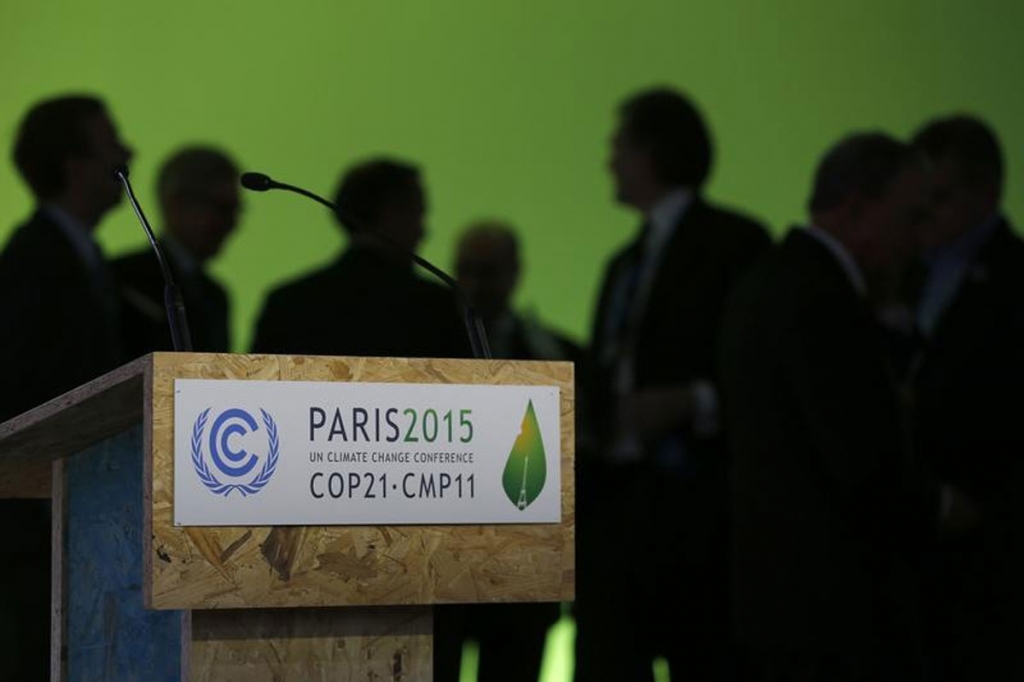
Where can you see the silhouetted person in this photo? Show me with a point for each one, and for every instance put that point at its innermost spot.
(830, 513)
(511, 637)
(892, 295)
(59, 310)
(369, 302)
(199, 203)
(653, 506)
(971, 314)
(488, 267)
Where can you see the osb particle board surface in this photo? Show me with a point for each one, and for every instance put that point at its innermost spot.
(254, 567)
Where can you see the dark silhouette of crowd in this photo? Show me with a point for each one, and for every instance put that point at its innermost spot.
(796, 457)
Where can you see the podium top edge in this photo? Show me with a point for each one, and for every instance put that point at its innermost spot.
(84, 415)
(161, 355)
(114, 402)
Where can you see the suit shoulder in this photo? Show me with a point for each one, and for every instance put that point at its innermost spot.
(135, 264)
(30, 236)
(139, 257)
(737, 224)
(613, 261)
(572, 350)
(300, 287)
(35, 242)
(284, 306)
(215, 285)
(438, 298)
(782, 267)
(1008, 251)
(433, 290)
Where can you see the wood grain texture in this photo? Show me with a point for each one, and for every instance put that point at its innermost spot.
(77, 419)
(109, 635)
(224, 568)
(58, 592)
(314, 645)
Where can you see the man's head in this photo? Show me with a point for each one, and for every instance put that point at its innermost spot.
(661, 143)
(385, 198)
(66, 149)
(199, 198)
(487, 266)
(966, 176)
(870, 193)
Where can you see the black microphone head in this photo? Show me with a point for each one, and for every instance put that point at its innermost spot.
(257, 182)
(119, 171)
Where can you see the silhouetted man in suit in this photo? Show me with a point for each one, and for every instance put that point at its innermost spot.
(830, 513)
(971, 315)
(199, 203)
(369, 302)
(653, 505)
(511, 637)
(59, 309)
(59, 306)
(488, 268)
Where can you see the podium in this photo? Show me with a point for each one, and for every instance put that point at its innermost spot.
(136, 597)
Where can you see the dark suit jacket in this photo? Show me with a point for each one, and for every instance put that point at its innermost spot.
(527, 339)
(972, 368)
(675, 341)
(675, 524)
(967, 417)
(57, 333)
(145, 319)
(829, 512)
(362, 304)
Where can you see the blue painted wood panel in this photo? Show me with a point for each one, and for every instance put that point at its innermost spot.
(109, 634)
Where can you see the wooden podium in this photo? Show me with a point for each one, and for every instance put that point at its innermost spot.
(137, 598)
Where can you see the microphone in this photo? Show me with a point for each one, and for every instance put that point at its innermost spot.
(258, 182)
(181, 339)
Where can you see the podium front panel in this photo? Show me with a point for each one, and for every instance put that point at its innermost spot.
(317, 566)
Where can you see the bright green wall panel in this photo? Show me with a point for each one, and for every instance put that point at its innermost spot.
(507, 105)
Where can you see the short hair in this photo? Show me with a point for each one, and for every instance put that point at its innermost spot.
(497, 230)
(52, 132)
(366, 189)
(190, 172)
(865, 163)
(671, 127)
(970, 143)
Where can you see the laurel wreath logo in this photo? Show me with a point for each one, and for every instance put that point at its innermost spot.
(245, 489)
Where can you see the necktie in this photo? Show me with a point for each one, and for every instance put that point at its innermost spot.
(622, 306)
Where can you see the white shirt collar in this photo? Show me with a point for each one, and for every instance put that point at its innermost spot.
(81, 239)
(842, 256)
(666, 214)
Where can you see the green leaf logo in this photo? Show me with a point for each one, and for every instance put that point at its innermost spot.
(526, 469)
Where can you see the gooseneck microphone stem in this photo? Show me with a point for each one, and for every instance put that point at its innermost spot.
(181, 339)
(258, 182)
(304, 192)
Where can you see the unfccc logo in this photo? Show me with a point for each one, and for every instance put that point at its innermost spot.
(237, 465)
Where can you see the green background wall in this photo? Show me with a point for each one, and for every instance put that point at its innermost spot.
(507, 105)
